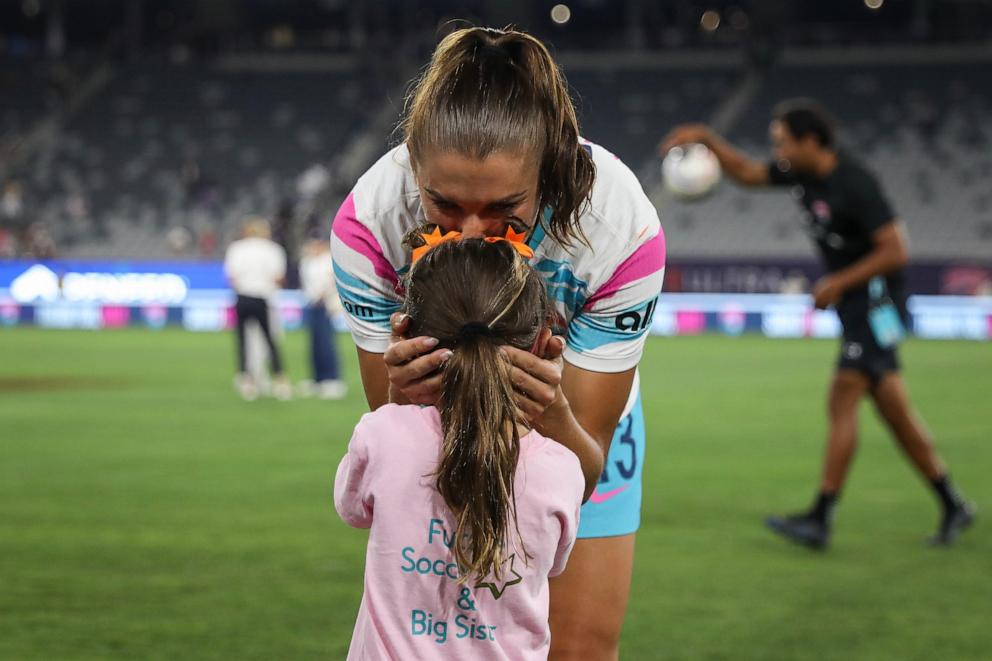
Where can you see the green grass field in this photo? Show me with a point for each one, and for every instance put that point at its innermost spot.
(147, 513)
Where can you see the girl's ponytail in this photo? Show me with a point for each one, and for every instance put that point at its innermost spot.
(474, 296)
(479, 453)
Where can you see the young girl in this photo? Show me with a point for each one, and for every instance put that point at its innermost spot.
(470, 511)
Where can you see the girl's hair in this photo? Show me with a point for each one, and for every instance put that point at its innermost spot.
(474, 296)
(487, 91)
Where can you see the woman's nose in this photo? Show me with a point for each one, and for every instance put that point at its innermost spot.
(474, 227)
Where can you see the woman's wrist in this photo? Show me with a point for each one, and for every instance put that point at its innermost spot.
(557, 419)
(396, 395)
(560, 424)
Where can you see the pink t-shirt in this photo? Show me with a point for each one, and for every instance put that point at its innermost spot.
(413, 606)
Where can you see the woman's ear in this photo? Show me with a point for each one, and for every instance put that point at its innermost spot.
(541, 341)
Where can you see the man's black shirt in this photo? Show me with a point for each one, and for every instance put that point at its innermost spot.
(842, 212)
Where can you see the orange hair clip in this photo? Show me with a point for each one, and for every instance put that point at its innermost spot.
(515, 239)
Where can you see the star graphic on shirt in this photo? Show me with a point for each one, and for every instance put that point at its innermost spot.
(496, 587)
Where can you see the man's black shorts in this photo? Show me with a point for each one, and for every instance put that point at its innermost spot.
(859, 350)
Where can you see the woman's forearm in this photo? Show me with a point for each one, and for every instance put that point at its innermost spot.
(559, 423)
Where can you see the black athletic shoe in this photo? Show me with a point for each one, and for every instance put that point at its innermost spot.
(802, 529)
(953, 523)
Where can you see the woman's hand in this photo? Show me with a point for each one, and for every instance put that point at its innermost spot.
(682, 135)
(413, 365)
(537, 376)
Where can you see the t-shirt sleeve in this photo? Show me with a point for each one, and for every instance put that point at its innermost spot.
(352, 495)
(366, 281)
(869, 204)
(781, 174)
(568, 515)
(609, 333)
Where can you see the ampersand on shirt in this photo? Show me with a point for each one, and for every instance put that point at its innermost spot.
(465, 601)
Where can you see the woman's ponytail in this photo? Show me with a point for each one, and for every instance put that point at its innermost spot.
(489, 90)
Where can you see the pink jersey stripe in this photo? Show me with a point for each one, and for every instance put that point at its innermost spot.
(359, 238)
(648, 259)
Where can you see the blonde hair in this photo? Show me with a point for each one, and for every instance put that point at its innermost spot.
(256, 227)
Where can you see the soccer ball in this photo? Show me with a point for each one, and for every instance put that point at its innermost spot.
(690, 171)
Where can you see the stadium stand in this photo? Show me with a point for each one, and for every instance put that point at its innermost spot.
(925, 129)
(166, 153)
(168, 147)
(623, 109)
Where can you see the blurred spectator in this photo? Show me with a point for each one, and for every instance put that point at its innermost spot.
(201, 189)
(8, 246)
(283, 229)
(38, 242)
(794, 283)
(179, 239)
(317, 279)
(76, 207)
(208, 242)
(312, 182)
(12, 203)
(256, 268)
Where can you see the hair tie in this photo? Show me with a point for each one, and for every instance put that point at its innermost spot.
(492, 50)
(473, 329)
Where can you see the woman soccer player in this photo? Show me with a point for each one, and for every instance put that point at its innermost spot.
(491, 142)
(470, 510)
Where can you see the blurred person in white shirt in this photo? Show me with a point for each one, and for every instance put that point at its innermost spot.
(256, 268)
(317, 281)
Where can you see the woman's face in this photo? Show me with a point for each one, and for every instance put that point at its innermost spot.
(478, 197)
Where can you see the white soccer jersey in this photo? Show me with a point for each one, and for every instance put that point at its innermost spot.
(604, 295)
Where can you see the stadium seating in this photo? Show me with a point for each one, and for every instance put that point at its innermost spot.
(24, 98)
(625, 110)
(186, 146)
(925, 129)
(199, 146)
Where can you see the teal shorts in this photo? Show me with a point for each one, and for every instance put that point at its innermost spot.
(615, 506)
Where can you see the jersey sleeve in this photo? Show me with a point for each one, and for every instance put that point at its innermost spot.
(352, 496)
(366, 281)
(609, 332)
(781, 174)
(871, 207)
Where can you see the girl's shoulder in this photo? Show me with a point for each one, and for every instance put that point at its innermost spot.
(549, 462)
(402, 425)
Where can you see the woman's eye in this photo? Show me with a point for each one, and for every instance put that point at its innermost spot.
(517, 224)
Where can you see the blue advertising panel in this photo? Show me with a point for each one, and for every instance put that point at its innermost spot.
(195, 296)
